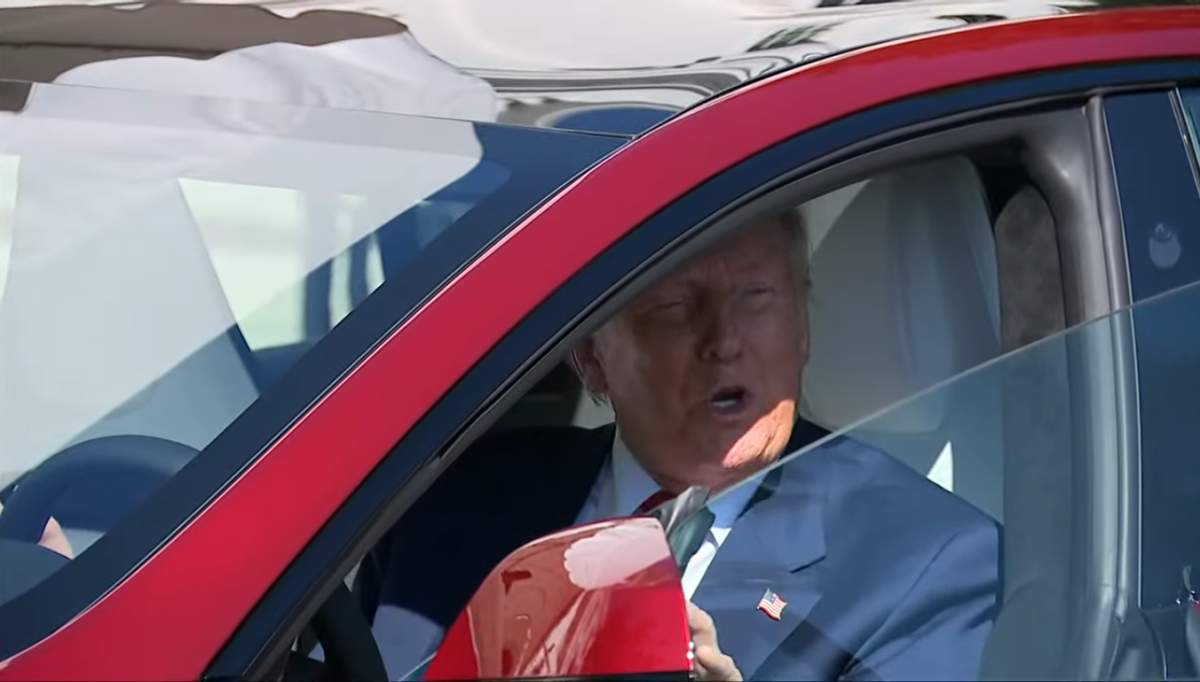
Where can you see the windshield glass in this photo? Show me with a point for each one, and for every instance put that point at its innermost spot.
(167, 260)
(988, 526)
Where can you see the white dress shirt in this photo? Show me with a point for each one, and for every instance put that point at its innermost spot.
(406, 639)
(622, 487)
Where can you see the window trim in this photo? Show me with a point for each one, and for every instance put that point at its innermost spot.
(1189, 123)
(498, 378)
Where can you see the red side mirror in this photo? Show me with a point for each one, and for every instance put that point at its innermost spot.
(601, 600)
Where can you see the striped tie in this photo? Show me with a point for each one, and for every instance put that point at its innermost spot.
(654, 501)
(685, 534)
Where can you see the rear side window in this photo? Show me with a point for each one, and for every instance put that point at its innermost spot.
(167, 260)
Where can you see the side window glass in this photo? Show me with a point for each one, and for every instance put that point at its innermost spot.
(907, 290)
(840, 562)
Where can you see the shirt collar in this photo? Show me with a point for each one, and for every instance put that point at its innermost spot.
(631, 485)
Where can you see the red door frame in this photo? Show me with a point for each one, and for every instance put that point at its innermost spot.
(171, 617)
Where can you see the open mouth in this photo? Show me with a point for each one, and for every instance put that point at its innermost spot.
(729, 399)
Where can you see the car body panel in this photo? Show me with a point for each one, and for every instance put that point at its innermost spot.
(235, 549)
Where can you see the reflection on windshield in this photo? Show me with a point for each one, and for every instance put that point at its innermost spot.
(145, 231)
(168, 262)
(165, 259)
(1044, 469)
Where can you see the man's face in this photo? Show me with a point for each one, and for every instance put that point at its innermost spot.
(703, 370)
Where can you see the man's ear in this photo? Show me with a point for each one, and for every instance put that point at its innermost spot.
(588, 368)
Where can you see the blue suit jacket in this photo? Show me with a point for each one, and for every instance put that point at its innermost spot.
(886, 575)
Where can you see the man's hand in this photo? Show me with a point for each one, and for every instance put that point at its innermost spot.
(53, 538)
(711, 664)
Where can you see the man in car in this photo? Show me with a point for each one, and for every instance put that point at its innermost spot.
(869, 570)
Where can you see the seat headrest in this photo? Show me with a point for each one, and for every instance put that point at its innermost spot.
(904, 294)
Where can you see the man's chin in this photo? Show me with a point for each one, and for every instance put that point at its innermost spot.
(758, 446)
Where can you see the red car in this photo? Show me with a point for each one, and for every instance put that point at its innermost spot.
(265, 274)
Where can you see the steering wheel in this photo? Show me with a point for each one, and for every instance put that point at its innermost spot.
(347, 641)
(131, 468)
(122, 472)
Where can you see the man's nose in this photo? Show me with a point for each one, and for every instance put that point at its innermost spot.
(721, 340)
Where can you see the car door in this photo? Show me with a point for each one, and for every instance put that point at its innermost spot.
(804, 136)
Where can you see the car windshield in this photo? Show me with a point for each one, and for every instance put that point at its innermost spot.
(1077, 453)
(166, 261)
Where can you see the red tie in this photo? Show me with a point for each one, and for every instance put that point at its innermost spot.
(660, 497)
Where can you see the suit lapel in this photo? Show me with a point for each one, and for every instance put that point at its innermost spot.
(778, 544)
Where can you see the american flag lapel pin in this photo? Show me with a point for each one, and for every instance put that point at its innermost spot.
(772, 605)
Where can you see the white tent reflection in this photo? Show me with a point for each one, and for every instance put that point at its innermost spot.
(148, 221)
